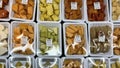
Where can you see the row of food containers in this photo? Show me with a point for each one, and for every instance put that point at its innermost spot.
(45, 39)
(57, 10)
(65, 62)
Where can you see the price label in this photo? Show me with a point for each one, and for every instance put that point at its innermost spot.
(24, 1)
(97, 5)
(101, 37)
(24, 40)
(73, 5)
(49, 42)
(49, 1)
(1, 2)
(77, 38)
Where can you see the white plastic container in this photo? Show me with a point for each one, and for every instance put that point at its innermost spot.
(115, 26)
(7, 7)
(12, 13)
(4, 61)
(7, 25)
(22, 59)
(106, 12)
(113, 60)
(81, 9)
(58, 25)
(110, 6)
(15, 24)
(85, 34)
(82, 61)
(42, 60)
(90, 61)
(38, 13)
(110, 52)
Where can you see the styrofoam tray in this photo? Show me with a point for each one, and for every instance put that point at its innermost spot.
(101, 24)
(15, 24)
(38, 36)
(22, 59)
(81, 9)
(38, 14)
(106, 12)
(53, 60)
(6, 24)
(11, 12)
(85, 32)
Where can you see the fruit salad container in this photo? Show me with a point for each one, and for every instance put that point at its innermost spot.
(44, 62)
(3, 62)
(5, 10)
(23, 38)
(21, 62)
(49, 39)
(97, 62)
(49, 11)
(97, 11)
(114, 62)
(75, 39)
(100, 39)
(72, 62)
(73, 10)
(116, 44)
(23, 10)
(4, 39)
(114, 11)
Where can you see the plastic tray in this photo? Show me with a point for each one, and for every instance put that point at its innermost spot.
(82, 10)
(101, 24)
(53, 60)
(49, 25)
(15, 24)
(106, 12)
(85, 32)
(11, 12)
(38, 14)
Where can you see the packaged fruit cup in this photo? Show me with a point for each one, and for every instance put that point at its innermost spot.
(97, 10)
(115, 10)
(114, 62)
(47, 62)
(73, 10)
(75, 39)
(23, 10)
(4, 39)
(23, 38)
(116, 41)
(21, 62)
(97, 62)
(5, 10)
(49, 39)
(72, 62)
(49, 11)
(3, 62)
(100, 39)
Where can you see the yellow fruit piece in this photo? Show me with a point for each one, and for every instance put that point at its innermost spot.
(57, 12)
(55, 5)
(49, 10)
(15, 8)
(55, 17)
